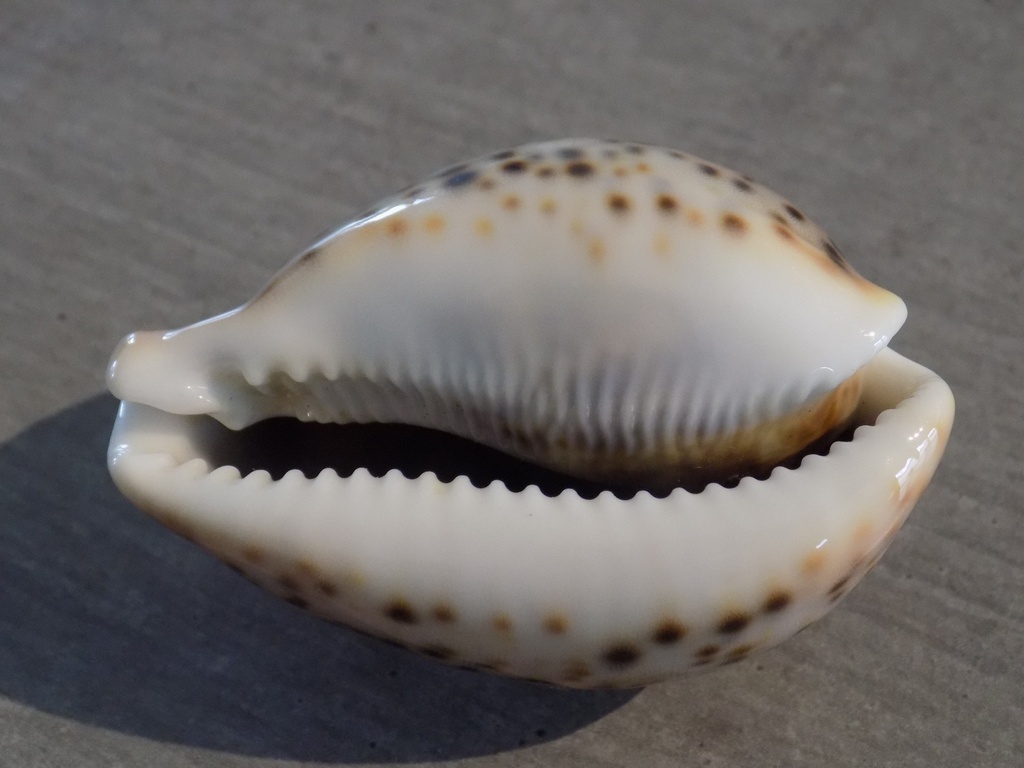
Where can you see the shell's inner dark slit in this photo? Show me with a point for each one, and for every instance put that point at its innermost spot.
(281, 444)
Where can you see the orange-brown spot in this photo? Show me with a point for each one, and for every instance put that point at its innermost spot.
(487, 183)
(444, 613)
(596, 250)
(483, 226)
(397, 226)
(643, 168)
(694, 216)
(548, 206)
(708, 651)
(777, 601)
(783, 232)
(511, 202)
(434, 223)
(546, 171)
(400, 611)
(620, 171)
(502, 623)
(556, 624)
(307, 569)
(618, 202)
(254, 554)
(813, 562)
(669, 631)
(622, 655)
(733, 622)
(734, 223)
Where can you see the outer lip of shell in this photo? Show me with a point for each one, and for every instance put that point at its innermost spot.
(636, 590)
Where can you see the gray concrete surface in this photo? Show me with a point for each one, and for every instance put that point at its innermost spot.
(158, 161)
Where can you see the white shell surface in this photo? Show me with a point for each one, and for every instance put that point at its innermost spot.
(585, 593)
(616, 293)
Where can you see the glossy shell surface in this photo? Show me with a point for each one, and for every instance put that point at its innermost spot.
(562, 300)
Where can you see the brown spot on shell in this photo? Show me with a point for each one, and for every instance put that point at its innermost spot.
(502, 623)
(487, 183)
(548, 206)
(511, 202)
(580, 169)
(504, 154)
(514, 166)
(298, 601)
(794, 212)
(400, 611)
(643, 168)
(397, 226)
(444, 613)
(694, 216)
(813, 562)
(777, 601)
(662, 244)
(669, 631)
(620, 171)
(253, 554)
(838, 589)
(546, 172)
(556, 624)
(742, 185)
(708, 170)
(667, 203)
(596, 251)
(622, 655)
(708, 651)
(733, 622)
(783, 232)
(618, 202)
(734, 223)
(434, 223)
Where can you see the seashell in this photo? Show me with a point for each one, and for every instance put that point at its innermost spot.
(654, 323)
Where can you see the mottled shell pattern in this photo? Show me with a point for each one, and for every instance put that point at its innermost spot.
(616, 311)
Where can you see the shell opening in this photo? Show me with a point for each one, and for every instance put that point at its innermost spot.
(282, 445)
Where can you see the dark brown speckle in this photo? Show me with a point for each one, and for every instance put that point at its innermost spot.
(777, 601)
(622, 655)
(514, 166)
(734, 622)
(399, 610)
(579, 169)
(708, 170)
(669, 631)
(794, 212)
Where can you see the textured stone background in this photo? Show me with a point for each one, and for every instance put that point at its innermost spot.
(159, 161)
